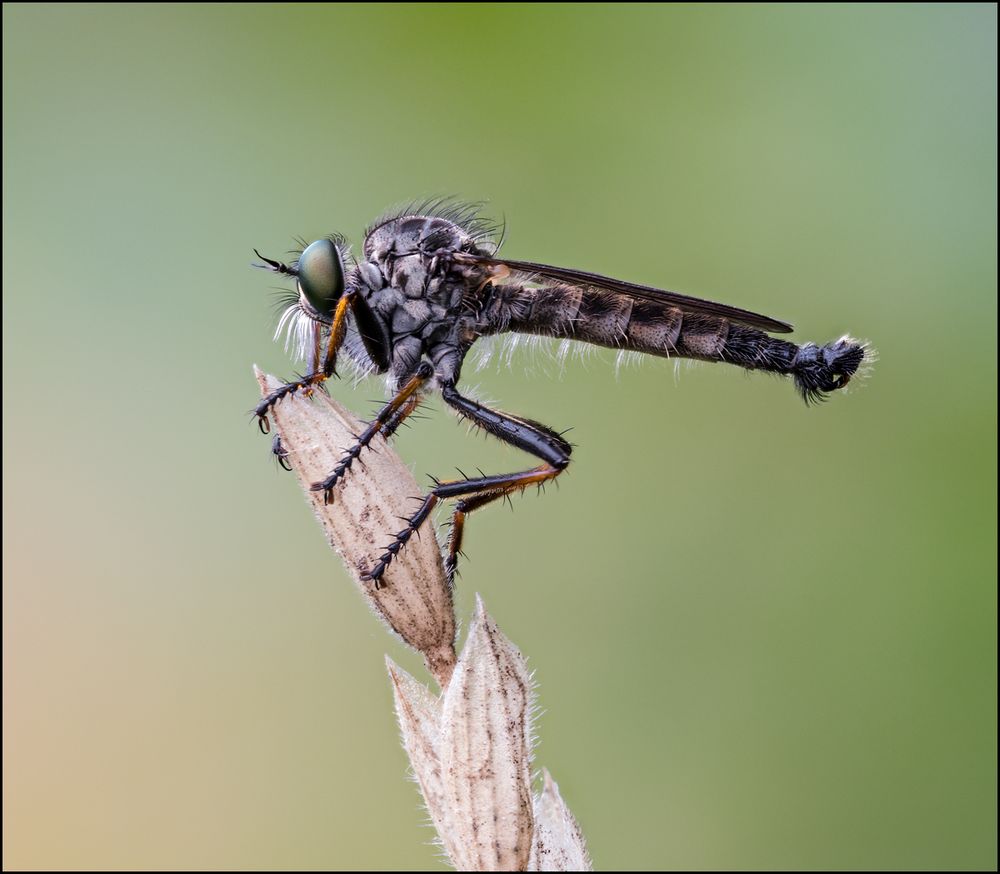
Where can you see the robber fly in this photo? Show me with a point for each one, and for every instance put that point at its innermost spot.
(429, 282)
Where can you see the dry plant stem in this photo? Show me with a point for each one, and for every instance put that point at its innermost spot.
(485, 750)
(558, 843)
(470, 750)
(415, 601)
(470, 746)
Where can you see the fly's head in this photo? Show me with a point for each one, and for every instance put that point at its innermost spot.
(320, 283)
(319, 277)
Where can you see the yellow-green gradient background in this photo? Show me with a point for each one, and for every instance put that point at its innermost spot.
(764, 635)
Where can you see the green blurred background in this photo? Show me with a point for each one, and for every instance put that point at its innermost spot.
(764, 635)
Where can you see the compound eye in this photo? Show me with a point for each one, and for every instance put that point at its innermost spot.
(321, 276)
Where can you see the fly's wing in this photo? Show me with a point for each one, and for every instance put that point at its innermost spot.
(643, 292)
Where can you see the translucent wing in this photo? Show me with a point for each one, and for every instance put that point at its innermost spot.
(643, 292)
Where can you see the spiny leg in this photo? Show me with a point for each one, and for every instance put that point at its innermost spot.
(400, 416)
(338, 329)
(386, 431)
(485, 489)
(525, 434)
(314, 352)
(389, 418)
(462, 509)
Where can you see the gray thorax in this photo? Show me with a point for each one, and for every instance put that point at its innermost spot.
(421, 298)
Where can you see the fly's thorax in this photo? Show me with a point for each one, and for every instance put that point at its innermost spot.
(419, 294)
(416, 324)
(423, 297)
(412, 254)
(403, 250)
(412, 297)
(414, 233)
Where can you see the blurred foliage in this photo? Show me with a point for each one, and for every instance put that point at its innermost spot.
(765, 636)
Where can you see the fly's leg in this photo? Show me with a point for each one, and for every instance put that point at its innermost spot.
(307, 384)
(403, 413)
(476, 492)
(483, 489)
(462, 509)
(467, 505)
(388, 420)
(280, 453)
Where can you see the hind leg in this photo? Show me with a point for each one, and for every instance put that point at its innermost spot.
(476, 492)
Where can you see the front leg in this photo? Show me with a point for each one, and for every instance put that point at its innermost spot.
(476, 492)
(338, 330)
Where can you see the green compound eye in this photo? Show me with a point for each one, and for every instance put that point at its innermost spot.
(321, 276)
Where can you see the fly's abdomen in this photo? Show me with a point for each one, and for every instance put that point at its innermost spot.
(669, 331)
(621, 322)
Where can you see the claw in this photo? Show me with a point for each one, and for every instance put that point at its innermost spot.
(374, 575)
(280, 452)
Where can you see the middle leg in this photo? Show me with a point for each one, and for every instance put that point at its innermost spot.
(309, 383)
(389, 418)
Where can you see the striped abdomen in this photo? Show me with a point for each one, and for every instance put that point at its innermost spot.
(622, 322)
